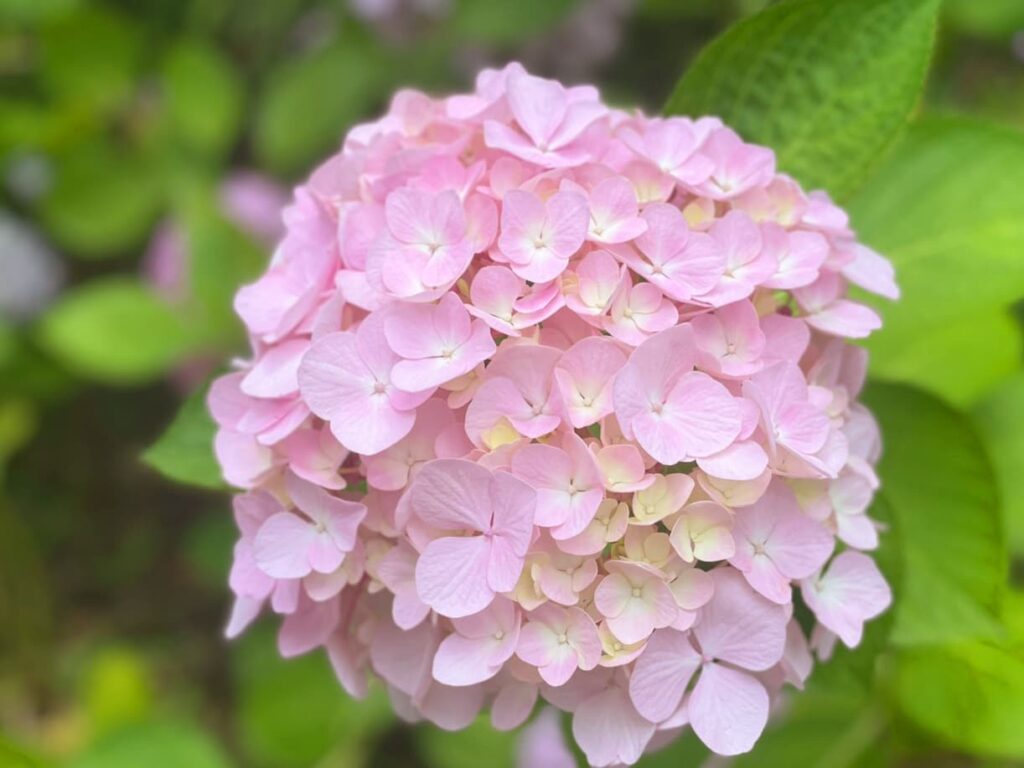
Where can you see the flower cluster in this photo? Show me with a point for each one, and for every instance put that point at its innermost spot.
(553, 400)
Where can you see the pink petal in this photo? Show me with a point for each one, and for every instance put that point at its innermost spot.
(849, 593)
(728, 709)
(661, 674)
(282, 546)
(739, 626)
(452, 494)
(451, 576)
(609, 730)
(275, 373)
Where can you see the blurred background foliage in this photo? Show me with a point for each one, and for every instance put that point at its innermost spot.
(140, 140)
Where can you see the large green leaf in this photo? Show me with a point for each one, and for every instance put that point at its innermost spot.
(293, 712)
(311, 102)
(941, 491)
(986, 346)
(114, 330)
(184, 451)
(1000, 418)
(90, 56)
(828, 85)
(505, 23)
(204, 96)
(159, 744)
(948, 209)
(968, 695)
(103, 201)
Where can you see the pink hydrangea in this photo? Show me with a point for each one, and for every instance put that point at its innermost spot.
(549, 400)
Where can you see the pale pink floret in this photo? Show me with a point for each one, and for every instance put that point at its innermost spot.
(584, 376)
(682, 263)
(558, 641)
(599, 278)
(503, 301)
(437, 343)
(551, 118)
(776, 543)
(568, 483)
(614, 212)
(791, 421)
(704, 532)
(426, 247)
(479, 646)
(737, 166)
(346, 380)
(728, 707)
(850, 592)
(539, 237)
(635, 601)
(747, 262)
(518, 389)
(672, 145)
(730, 341)
(459, 575)
(829, 313)
(638, 312)
(315, 537)
(675, 413)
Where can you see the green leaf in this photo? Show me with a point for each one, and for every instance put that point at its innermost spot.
(104, 200)
(969, 696)
(821, 731)
(184, 452)
(114, 330)
(827, 85)
(158, 744)
(204, 96)
(948, 210)
(90, 56)
(117, 689)
(292, 712)
(221, 259)
(506, 23)
(1000, 419)
(987, 347)
(995, 19)
(941, 490)
(463, 749)
(311, 102)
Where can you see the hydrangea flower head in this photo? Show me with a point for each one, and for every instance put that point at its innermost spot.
(548, 400)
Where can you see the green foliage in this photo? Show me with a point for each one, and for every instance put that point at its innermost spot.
(948, 210)
(969, 696)
(117, 690)
(311, 102)
(184, 452)
(103, 201)
(995, 19)
(463, 749)
(293, 712)
(204, 96)
(114, 330)
(987, 347)
(940, 487)
(827, 85)
(1000, 419)
(90, 57)
(221, 258)
(157, 744)
(485, 21)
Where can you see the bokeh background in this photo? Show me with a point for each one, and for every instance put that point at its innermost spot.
(144, 148)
